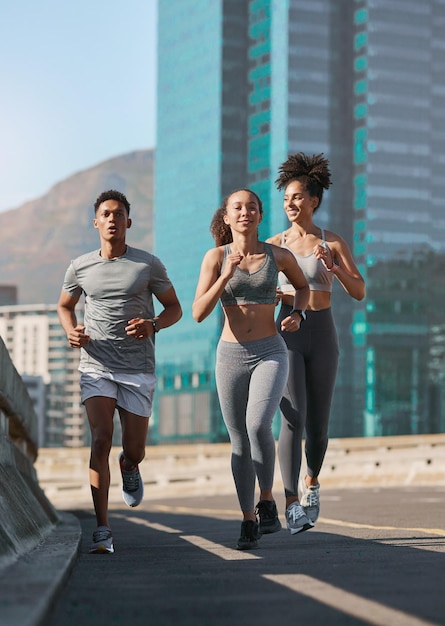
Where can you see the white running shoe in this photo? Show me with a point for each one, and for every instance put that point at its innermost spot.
(310, 500)
(132, 484)
(296, 519)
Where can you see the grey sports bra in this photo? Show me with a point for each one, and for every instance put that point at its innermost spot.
(316, 274)
(260, 287)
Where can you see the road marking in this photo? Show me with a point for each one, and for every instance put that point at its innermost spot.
(232, 514)
(144, 522)
(324, 520)
(199, 511)
(336, 522)
(369, 611)
(228, 554)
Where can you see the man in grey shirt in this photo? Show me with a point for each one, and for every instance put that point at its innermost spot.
(116, 340)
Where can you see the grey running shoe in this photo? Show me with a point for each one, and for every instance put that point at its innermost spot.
(268, 514)
(132, 484)
(310, 500)
(250, 533)
(102, 541)
(296, 518)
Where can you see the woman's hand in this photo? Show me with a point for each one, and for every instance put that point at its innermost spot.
(323, 253)
(232, 261)
(291, 323)
(279, 296)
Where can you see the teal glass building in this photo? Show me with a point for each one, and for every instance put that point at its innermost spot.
(242, 84)
(201, 132)
(399, 144)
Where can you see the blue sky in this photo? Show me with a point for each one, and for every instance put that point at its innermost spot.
(78, 86)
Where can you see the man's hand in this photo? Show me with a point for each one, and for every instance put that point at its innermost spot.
(77, 338)
(139, 328)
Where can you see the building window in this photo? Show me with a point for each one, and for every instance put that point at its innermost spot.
(361, 16)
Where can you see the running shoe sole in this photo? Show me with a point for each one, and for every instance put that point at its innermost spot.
(294, 531)
(101, 550)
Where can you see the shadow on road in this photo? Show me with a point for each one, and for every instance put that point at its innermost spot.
(179, 568)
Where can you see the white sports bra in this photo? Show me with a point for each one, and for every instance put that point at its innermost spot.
(314, 270)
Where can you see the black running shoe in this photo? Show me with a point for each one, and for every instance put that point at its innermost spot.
(102, 541)
(268, 514)
(250, 533)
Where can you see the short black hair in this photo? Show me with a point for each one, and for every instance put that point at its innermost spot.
(112, 194)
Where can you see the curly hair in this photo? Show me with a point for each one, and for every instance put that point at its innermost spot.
(312, 171)
(221, 231)
(112, 194)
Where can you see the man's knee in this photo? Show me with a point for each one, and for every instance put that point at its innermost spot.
(101, 444)
(134, 453)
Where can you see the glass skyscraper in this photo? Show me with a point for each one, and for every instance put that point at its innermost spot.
(242, 84)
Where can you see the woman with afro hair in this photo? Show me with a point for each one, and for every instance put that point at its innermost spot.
(313, 351)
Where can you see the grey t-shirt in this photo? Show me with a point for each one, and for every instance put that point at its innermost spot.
(116, 291)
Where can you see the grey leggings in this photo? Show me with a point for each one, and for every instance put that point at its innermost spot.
(306, 403)
(250, 380)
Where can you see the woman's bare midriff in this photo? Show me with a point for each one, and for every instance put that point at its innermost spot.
(251, 321)
(318, 300)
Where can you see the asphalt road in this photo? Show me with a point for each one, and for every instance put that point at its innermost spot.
(376, 556)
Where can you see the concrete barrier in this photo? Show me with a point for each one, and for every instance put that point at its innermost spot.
(26, 515)
(186, 470)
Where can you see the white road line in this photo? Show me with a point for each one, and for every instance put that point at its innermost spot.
(234, 514)
(227, 554)
(198, 511)
(369, 611)
(336, 522)
(144, 522)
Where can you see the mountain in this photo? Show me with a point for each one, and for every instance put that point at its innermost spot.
(39, 238)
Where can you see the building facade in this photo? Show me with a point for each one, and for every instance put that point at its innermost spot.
(40, 352)
(243, 84)
(399, 149)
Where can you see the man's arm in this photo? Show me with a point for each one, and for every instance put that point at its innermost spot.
(172, 312)
(142, 328)
(67, 317)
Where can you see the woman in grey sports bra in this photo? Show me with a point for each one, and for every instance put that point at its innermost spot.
(313, 351)
(251, 359)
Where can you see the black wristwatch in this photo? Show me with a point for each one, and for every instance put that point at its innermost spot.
(153, 323)
(300, 312)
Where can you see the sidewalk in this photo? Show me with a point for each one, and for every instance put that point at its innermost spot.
(28, 586)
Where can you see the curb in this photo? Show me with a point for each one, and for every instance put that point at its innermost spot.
(29, 586)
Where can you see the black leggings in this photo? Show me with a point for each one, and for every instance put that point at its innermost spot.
(306, 403)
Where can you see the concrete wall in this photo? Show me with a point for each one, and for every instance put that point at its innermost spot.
(26, 515)
(174, 471)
